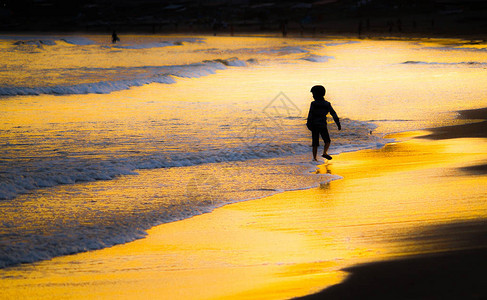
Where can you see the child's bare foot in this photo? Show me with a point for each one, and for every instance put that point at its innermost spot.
(327, 156)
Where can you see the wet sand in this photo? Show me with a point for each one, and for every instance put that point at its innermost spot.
(476, 129)
(460, 131)
(412, 208)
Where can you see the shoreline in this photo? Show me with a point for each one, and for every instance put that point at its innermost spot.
(295, 250)
(469, 130)
(266, 34)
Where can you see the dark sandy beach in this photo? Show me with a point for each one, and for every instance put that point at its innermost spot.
(458, 274)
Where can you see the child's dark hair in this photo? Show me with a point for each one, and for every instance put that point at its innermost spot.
(318, 91)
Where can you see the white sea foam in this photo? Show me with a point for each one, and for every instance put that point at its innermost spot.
(468, 63)
(148, 45)
(159, 44)
(235, 62)
(331, 44)
(103, 87)
(21, 179)
(38, 43)
(84, 41)
(285, 50)
(48, 40)
(154, 74)
(455, 48)
(78, 40)
(317, 58)
(37, 247)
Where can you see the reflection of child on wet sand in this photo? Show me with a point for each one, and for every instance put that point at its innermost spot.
(317, 120)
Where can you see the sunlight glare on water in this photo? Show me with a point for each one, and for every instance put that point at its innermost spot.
(101, 142)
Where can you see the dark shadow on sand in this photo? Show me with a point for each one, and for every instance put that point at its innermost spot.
(471, 114)
(478, 170)
(458, 273)
(473, 130)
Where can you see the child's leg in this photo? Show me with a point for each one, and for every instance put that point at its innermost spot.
(325, 150)
(315, 134)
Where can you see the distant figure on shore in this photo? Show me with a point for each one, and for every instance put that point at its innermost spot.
(283, 26)
(360, 29)
(316, 122)
(115, 37)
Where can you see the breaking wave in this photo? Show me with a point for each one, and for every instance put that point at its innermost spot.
(146, 75)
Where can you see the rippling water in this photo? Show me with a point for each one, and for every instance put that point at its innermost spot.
(101, 142)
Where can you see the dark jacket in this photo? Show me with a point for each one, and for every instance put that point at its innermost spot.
(317, 114)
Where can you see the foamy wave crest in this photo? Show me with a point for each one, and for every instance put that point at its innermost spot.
(48, 173)
(234, 62)
(339, 43)
(467, 63)
(454, 48)
(317, 58)
(48, 40)
(38, 43)
(285, 50)
(78, 40)
(147, 46)
(47, 247)
(178, 42)
(162, 74)
(103, 87)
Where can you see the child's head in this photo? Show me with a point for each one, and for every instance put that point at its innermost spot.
(318, 91)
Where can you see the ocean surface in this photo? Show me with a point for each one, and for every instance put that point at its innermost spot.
(100, 141)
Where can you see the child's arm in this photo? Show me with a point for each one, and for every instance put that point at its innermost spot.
(335, 117)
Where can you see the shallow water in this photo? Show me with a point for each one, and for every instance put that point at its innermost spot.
(101, 142)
